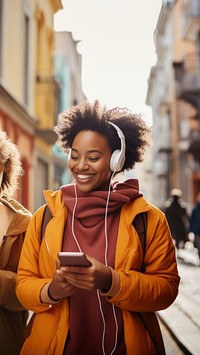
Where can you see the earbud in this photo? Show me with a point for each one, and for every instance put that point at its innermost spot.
(118, 156)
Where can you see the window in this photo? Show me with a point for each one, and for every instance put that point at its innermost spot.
(23, 191)
(42, 174)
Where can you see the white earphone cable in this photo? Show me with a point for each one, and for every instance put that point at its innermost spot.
(104, 323)
(106, 263)
(105, 225)
(106, 257)
(73, 216)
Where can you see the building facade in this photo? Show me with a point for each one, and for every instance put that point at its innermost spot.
(174, 95)
(28, 90)
(68, 69)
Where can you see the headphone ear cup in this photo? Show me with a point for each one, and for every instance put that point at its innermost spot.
(114, 160)
(1, 177)
(118, 157)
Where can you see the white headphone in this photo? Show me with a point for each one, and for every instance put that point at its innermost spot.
(1, 177)
(118, 156)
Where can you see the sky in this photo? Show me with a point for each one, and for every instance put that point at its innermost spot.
(117, 48)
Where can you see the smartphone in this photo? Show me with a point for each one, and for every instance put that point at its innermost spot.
(73, 259)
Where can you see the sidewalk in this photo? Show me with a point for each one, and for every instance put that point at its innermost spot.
(182, 318)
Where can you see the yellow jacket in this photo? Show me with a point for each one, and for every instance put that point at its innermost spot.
(13, 316)
(152, 291)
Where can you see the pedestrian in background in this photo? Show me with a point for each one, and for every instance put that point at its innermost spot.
(14, 219)
(195, 223)
(177, 217)
(96, 309)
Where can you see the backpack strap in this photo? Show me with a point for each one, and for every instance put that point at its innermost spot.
(140, 224)
(47, 215)
(151, 323)
(149, 319)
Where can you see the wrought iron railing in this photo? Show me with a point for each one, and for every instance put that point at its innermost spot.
(190, 10)
(189, 77)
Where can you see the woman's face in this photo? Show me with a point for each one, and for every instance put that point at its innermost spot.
(89, 161)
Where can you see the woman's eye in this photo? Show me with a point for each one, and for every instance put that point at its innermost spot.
(94, 159)
(90, 159)
(73, 157)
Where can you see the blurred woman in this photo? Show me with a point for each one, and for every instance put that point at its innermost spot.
(195, 223)
(177, 217)
(14, 219)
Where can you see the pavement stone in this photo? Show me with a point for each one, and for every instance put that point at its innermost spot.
(182, 318)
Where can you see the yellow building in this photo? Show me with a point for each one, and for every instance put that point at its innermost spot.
(45, 94)
(28, 89)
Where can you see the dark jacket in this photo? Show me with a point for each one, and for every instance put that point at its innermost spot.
(13, 316)
(177, 218)
(195, 220)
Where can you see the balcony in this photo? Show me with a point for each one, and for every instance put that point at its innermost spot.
(163, 144)
(194, 149)
(47, 89)
(187, 75)
(191, 19)
(47, 135)
(194, 143)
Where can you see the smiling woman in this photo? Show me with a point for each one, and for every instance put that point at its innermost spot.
(94, 310)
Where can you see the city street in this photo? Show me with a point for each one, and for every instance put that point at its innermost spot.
(183, 318)
(171, 346)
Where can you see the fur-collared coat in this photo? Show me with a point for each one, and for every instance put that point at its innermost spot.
(13, 316)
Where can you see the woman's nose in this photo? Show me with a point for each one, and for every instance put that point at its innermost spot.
(82, 164)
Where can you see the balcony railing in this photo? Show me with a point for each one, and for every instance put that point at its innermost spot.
(191, 19)
(188, 78)
(47, 89)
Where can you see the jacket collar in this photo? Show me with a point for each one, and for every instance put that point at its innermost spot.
(21, 217)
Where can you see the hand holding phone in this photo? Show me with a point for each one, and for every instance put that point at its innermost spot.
(73, 259)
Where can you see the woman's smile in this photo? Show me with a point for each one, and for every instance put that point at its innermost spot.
(84, 177)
